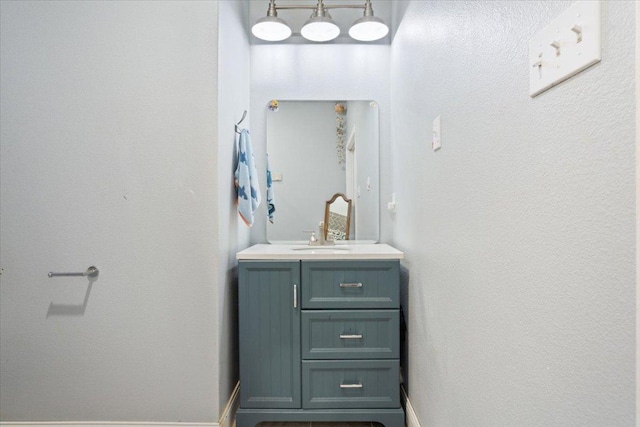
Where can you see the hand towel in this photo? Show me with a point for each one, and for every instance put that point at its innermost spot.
(246, 180)
(271, 207)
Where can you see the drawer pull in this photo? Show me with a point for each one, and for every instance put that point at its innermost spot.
(351, 337)
(351, 385)
(295, 296)
(351, 285)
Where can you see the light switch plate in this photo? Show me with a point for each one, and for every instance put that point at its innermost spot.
(391, 206)
(436, 139)
(565, 47)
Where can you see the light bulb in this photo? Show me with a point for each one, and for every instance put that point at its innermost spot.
(271, 28)
(368, 28)
(320, 29)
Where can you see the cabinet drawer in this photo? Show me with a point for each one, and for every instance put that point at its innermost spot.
(357, 334)
(350, 384)
(350, 284)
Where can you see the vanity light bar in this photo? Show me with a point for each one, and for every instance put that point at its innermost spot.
(320, 27)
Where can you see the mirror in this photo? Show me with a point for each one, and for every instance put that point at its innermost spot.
(317, 149)
(337, 218)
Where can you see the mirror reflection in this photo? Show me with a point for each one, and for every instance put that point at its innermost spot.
(317, 149)
(337, 218)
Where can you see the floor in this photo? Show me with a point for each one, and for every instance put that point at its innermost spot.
(316, 424)
(319, 425)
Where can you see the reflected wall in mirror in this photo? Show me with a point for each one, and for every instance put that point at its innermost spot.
(317, 149)
(337, 217)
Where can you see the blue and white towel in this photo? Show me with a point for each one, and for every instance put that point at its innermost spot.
(246, 180)
(271, 203)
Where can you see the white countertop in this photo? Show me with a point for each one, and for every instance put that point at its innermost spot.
(338, 252)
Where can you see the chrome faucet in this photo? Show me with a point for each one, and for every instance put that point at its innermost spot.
(314, 241)
(321, 232)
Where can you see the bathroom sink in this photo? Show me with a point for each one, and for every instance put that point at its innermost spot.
(301, 251)
(321, 248)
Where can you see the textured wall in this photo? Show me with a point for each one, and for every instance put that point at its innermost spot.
(519, 232)
(233, 235)
(108, 119)
(637, 210)
(321, 72)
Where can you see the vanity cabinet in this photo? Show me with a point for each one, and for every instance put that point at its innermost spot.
(319, 341)
(269, 325)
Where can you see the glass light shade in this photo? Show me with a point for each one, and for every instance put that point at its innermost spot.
(271, 28)
(320, 29)
(368, 28)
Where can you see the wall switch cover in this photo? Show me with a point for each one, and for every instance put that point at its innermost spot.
(276, 177)
(391, 206)
(565, 47)
(436, 141)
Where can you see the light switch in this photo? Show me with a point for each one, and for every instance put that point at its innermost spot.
(565, 47)
(436, 141)
(276, 177)
(391, 206)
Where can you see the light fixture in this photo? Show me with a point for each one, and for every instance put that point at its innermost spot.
(320, 27)
(368, 28)
(271, 28)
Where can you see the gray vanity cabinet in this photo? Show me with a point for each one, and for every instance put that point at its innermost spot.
(319, 341)
(269, 327)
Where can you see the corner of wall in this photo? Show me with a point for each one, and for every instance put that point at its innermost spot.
(233, 100)
(637, 83)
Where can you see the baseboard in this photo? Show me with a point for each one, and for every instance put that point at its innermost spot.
(226, 419)
(100, 424)
(410, 414)
(229, 412)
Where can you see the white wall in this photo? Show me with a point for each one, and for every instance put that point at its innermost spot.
(519, 233)
(108, 137)
(321, 72)
(233, 235)
(637, 218)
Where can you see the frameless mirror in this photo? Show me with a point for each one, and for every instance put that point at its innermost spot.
(317, 149)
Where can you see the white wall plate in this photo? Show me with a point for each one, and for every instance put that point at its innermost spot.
(436, 139)
(568, 45)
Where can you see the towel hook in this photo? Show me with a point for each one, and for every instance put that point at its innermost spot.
(243, 117)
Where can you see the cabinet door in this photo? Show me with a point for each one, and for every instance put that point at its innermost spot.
(269, 327)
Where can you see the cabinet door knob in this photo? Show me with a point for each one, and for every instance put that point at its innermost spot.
(359, 385)
(350, 285)
(351, 337)
(295, 296)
